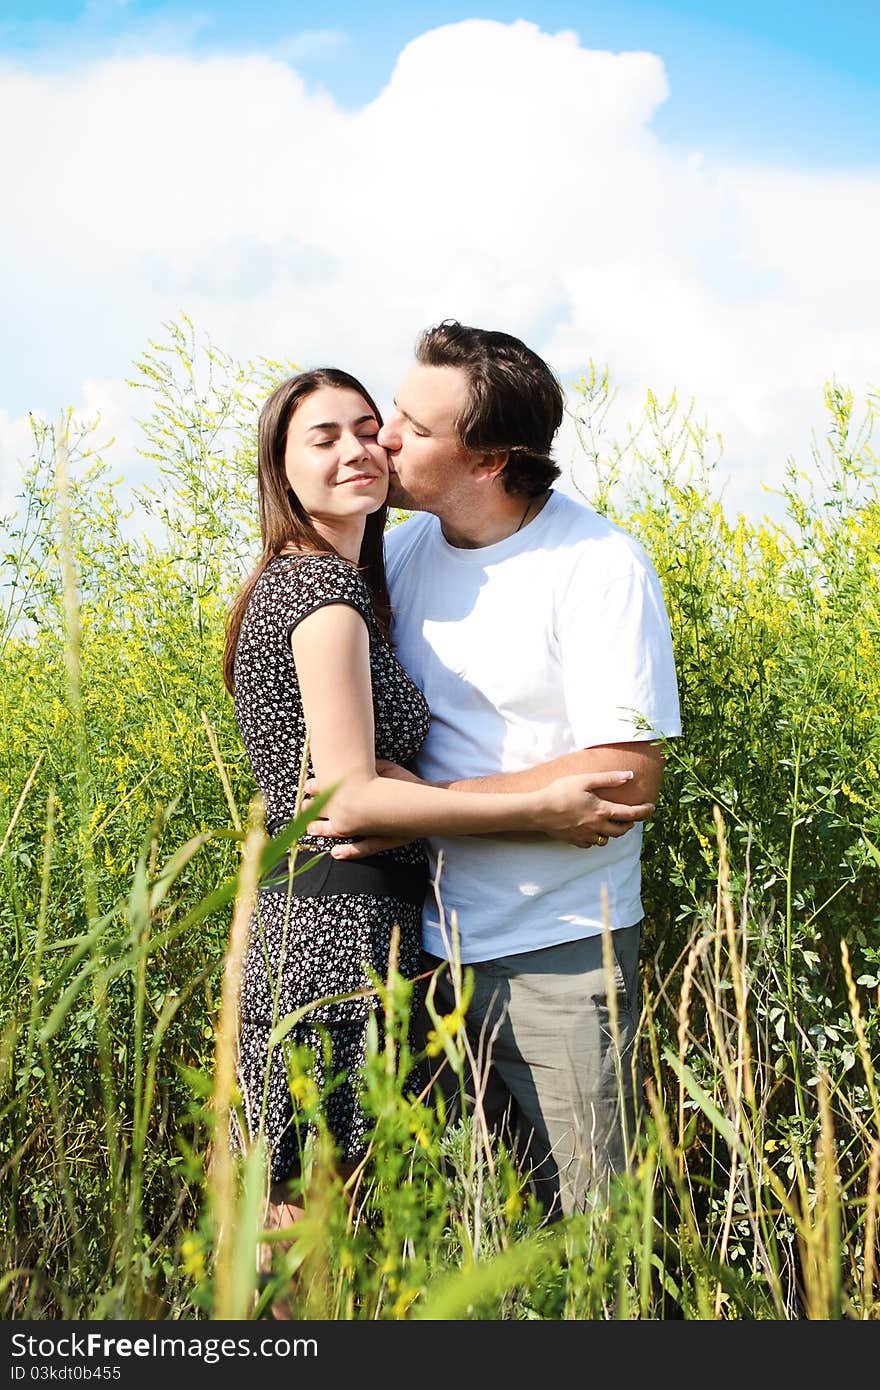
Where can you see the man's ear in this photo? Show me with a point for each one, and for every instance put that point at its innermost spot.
(489, 467)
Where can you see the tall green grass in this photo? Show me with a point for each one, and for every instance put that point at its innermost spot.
(128, 849)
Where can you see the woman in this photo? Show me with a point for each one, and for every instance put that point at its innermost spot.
(308, 649)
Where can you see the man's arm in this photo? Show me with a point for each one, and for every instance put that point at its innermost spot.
(644, 759)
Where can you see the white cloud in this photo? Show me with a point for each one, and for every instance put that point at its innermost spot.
(505, 176)
(108, 406)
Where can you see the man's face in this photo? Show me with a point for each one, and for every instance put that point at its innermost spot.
(428, 462)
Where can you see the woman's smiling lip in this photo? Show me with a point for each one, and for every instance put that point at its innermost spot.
(361, 479)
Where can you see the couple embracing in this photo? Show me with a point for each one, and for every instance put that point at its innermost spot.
(487, 683)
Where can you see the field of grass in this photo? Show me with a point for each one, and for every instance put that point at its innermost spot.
(129, 845)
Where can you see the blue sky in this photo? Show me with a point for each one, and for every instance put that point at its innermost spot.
(799, 81)
(686, 193)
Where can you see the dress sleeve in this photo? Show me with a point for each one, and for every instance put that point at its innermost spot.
(318, 580)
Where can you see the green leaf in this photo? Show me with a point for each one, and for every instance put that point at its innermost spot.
(456, 1295)
(704, 1101)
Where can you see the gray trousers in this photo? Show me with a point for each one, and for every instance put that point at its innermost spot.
(552, 1078)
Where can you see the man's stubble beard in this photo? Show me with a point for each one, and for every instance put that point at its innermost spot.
(399, 498)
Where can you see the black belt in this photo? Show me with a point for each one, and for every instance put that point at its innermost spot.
(380, 878)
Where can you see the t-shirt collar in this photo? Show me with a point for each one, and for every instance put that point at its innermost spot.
(500, 550)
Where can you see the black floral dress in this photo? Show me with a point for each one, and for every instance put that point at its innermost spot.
(305, 948)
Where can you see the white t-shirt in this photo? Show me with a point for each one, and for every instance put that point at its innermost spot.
(551, 640)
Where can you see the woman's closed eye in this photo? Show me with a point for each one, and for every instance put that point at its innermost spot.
(369, 435)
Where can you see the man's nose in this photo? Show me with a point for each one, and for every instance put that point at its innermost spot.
(389, 435)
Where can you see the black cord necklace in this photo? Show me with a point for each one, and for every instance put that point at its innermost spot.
(525, 513)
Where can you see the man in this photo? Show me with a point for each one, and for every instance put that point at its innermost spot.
(537, 632)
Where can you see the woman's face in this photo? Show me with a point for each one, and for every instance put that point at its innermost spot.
(332, 459)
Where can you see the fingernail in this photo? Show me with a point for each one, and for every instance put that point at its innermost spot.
(630, 776)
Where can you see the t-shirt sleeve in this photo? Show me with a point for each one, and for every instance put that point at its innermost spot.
(317, 581)
(617, 659)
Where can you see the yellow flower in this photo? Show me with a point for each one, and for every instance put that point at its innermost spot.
(403, 1301)
(513, 1205)
(192, 1254)
(448, 1026)
(304, 1091)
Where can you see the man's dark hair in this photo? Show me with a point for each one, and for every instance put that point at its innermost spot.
(514, 403)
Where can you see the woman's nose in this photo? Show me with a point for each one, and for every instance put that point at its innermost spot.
(351, 446)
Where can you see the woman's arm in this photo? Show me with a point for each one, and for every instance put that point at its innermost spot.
(331, 653)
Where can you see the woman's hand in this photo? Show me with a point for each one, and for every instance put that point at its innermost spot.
(371, 844)
(569, 809)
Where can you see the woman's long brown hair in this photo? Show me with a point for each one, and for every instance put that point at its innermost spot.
(283, 519)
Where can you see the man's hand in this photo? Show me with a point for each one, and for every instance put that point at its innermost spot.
(386, 768)
(606, 827)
